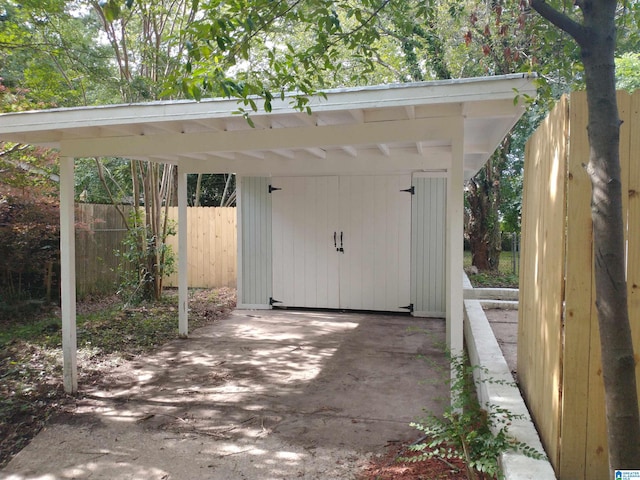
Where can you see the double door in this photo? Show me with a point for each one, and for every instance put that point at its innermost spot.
(342, 242)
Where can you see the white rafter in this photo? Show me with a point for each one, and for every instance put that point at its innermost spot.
(352, 151)
(384, 148)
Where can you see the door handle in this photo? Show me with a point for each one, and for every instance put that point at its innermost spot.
(341, 249)
(335, 240)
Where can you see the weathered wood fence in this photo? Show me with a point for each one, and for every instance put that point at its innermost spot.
(211, 247)
(559, 363)
(100, 230)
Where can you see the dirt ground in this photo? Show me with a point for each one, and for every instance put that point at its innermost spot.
(256, 395)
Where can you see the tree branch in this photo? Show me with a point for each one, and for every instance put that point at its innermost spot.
(18, 147)
(561, 20)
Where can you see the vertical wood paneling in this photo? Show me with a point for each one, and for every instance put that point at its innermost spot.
(578, 298)
(578, 446)
(373, 217)
(633, 229)
(305, 259)
(211, 244)
(428, 246)
(255, 241)
(543, 240)
(100, 230)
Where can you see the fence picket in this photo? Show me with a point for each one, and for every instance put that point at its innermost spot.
(211, 256)
(562, 380)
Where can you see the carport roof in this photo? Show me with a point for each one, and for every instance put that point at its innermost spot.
(386, 128)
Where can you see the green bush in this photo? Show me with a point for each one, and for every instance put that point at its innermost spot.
(29, 249)
(466, 429)
(146, 260)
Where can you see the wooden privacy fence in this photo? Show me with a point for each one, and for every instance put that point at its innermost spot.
(211, 247)
(559, 364)
(100, 230)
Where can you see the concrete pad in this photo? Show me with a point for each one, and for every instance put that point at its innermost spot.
(504, 324)
(261, 394)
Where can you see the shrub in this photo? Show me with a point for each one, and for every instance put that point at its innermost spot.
(29, 247)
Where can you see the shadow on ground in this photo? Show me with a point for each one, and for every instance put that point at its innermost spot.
(261, 394)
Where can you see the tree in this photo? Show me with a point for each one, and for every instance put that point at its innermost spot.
(49, 50)
(593, 26)
(147, 40)
(628, 72)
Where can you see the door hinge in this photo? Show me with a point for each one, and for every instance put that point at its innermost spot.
(409, 307)
(411, 190)
(273, 189)
(272, 301)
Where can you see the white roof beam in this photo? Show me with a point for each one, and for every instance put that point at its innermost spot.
(119, 130)
(337, 162)
(289, 138)
(163, 159)
(215, 124)
(306, 119)
(477, 148)
(411, 111)
(357, 115)
(489, 109)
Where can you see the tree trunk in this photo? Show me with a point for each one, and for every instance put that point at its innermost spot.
(596, 37)
(618, 365)
(482, 219)
(196, 201)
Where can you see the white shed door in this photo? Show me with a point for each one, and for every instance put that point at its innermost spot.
(305, 261)
(342, 242)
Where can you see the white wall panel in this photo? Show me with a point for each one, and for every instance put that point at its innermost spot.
(371, 219)
(376, 220)
(254, 238)
(428, 246)
(305, 261)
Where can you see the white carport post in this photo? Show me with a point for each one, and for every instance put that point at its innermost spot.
(68, 275)
(455, 232)
(183, 285)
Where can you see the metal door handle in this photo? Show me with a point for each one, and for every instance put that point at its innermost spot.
(341, 249)
(335, 241)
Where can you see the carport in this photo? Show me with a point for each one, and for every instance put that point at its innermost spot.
(430, 135)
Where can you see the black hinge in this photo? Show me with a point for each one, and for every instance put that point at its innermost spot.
(411, 190)
(273, 189)
(409, 307)
(272, 301)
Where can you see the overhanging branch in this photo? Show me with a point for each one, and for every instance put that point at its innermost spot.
(560, 20)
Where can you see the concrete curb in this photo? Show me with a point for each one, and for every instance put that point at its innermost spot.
(484, 351)
(499, 304)
(491, 293)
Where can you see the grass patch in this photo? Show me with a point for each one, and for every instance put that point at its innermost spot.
(504, 278)
(31, 353)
